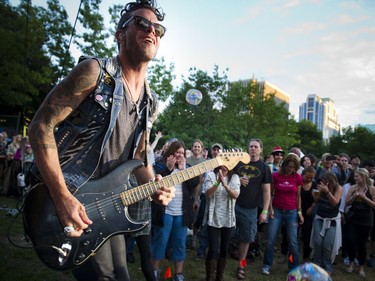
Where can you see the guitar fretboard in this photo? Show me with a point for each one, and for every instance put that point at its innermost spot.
(146, 190)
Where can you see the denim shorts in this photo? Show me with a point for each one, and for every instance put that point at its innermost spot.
(173, 229)
(247, 223)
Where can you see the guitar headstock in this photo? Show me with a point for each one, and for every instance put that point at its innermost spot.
(231, 159)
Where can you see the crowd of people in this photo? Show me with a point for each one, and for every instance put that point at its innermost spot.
(306, 198)
(101, 115)
(16, 158)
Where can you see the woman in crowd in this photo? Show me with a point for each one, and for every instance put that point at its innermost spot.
(305, 162)
(173, 220)
(325, 165)
(308, 206)
(326, 235)
(278, 156)
(14, 167)
(361, 199)
(222, 189)
(285, 207)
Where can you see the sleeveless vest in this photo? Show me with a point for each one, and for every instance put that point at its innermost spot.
(82, 137)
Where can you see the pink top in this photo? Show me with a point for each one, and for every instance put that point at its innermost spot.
(286, 190)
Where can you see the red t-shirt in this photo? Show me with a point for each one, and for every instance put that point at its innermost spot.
(286, 190)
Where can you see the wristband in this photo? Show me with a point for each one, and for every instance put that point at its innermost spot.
(299, 212)
(265, 212)
(216, 184)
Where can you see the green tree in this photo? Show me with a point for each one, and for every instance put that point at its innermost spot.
(188, 122)
(58, 30)
(247, 113)
(24, 63)
(94, 40)
(160, 78)
(232, 119)
(230, 113)
(310, 138)
(354, 140)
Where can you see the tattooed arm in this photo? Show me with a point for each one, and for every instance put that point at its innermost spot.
(57, 106)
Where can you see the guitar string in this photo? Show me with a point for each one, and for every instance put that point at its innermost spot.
(133, 192)
(109, 201)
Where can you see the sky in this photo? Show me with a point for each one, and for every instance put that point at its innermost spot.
(322, 47)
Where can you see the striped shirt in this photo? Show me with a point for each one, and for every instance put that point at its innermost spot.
(174, 208)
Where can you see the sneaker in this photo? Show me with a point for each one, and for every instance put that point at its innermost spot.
(356, 262)
(266, 270)
(178, 277)
(157, 274)
(346, 261)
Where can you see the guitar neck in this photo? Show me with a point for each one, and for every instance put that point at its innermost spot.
(146, 190)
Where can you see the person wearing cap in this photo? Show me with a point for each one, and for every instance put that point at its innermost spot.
(326, 165)
(215, 148)
(278, 156)
(104, 108)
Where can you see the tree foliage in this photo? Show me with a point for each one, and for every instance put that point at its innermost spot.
(21, 59)
(58, 30)
(247, 113)
(358, 140)
(188, 122)
(34, 50)
(310, 137)
(35, 56)
(230, 113)
(160, 78)
(94, 40)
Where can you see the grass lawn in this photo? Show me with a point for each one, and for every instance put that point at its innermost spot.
(24, 265)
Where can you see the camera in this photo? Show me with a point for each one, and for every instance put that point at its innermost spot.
(331, 158)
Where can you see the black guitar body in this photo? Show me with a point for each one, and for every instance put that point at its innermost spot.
(105, 200)
(104, 206)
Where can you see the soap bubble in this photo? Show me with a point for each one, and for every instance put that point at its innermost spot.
(194, 96)
(308, 272)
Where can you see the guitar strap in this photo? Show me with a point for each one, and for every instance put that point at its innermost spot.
(147, 125)
(146, 132)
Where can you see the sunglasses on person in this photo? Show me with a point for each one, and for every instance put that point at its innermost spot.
(145, 25)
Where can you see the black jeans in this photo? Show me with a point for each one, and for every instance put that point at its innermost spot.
(306, 235)
(357, 239)
(218, 242)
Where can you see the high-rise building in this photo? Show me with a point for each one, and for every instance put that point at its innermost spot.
(265, 88)
(321, 112)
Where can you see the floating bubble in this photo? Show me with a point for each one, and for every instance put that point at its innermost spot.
(308, 272)
(194, 96)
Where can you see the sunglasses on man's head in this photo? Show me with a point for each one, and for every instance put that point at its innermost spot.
(145, 25)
